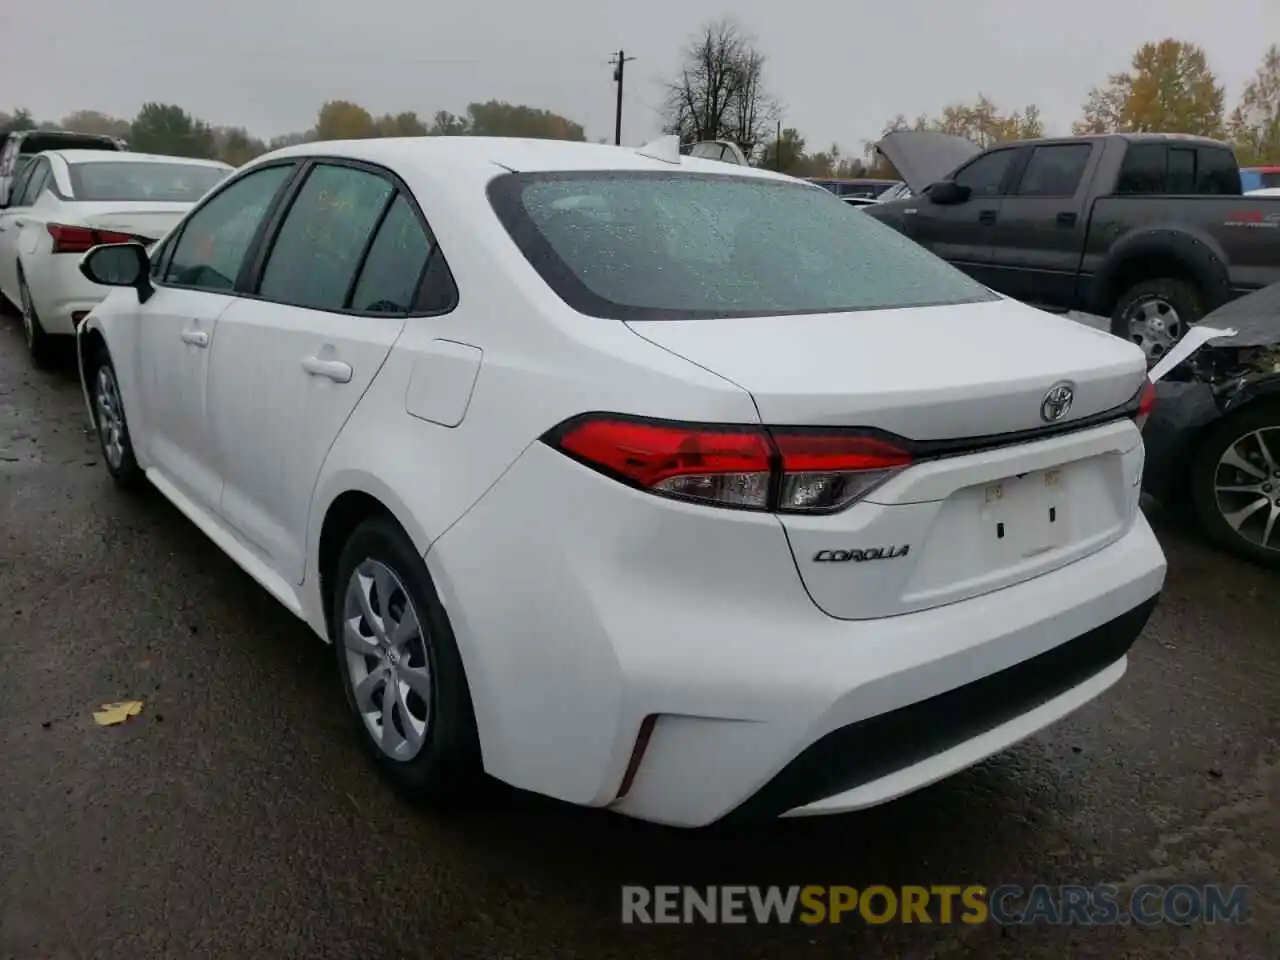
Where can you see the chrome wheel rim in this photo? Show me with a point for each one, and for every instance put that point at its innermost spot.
(387, 662)
(1246, 484)
(28, 314)
(1155, 326)
(106, 400)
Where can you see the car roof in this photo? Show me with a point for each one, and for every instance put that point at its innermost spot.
(124, 156)
(513, 154)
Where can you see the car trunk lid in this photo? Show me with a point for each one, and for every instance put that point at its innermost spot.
(926, 373)
(149, 221)
(1000, 489)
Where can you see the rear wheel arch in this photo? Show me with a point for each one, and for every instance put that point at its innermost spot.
(1157, 254)
(341, 518)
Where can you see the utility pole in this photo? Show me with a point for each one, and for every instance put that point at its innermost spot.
(619, 61)
(777, 149)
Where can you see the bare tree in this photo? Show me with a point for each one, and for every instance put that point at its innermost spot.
(720, 92)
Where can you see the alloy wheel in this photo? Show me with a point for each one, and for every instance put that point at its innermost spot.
(110, 416)
(387, 660)
(1247, 487)
(1155, 326)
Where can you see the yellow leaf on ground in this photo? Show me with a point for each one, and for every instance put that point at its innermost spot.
(113, 713)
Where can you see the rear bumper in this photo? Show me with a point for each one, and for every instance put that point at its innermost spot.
(884, 756)
(59, 291)
(583, 608)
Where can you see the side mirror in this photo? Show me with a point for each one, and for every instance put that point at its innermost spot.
(119, 265)
(947, 193)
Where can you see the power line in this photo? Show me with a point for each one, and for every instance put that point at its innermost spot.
(619, 62)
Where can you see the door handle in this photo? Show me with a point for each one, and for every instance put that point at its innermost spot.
(1066, 219)
(197, 338)
(19, 223)
(335, 370)
(987, 216)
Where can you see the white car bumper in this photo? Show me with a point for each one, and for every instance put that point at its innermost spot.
(582, 608)
(60, 292)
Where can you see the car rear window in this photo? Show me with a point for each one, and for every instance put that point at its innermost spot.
(659, 246)
(158, 182)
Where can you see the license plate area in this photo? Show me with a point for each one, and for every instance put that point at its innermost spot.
(1025, 515)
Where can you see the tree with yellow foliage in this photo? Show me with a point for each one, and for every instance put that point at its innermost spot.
(344, 120)
(1169, 88)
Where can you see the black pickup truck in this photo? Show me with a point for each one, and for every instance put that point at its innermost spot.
(1149, 229)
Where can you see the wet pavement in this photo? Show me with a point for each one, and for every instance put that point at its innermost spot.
(234, 817)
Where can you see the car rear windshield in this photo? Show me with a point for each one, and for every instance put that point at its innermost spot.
(158, 182)
(672, 246)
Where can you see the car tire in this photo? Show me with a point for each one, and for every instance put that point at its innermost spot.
(110, 422)
(443, 766)
(1167, 302)
(40, 346)
(1238, 432)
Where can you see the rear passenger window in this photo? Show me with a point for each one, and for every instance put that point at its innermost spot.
(389, 277)
(1180, 177)
(1055, 171)
(1143, 169)
(1217, 172)
(315, 256)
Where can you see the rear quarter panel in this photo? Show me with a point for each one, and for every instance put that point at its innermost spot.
(1237, 239)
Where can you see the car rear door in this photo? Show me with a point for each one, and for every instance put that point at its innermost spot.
(333, 292)
(1038, 237)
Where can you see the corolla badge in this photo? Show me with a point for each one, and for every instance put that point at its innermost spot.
(1057, 402)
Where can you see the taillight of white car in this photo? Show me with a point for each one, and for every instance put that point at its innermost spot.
(782, 470)
(72, 239)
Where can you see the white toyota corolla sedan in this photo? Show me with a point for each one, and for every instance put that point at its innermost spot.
(638, 480)
(67, 201)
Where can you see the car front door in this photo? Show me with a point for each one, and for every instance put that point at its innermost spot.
(1038, 238)
(960, 233)
(177, 326)
(335, 287)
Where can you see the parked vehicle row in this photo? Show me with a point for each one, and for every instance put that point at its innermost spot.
(1253, 179)
(1148, 229)
(63, 203)
(865, 187)
(635, 479)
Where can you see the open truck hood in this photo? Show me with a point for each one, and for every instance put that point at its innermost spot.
(923, 158)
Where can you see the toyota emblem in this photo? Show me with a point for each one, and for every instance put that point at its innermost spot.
(1057, 402)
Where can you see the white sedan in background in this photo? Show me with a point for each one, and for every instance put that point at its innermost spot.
(642, 481)
(67, 201)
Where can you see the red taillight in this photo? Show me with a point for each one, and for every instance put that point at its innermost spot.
(725, 465)
(826, 471)
(68, 239)
(1146, 403)
(783, 469)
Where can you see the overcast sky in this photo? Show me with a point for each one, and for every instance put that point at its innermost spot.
(841, 69)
